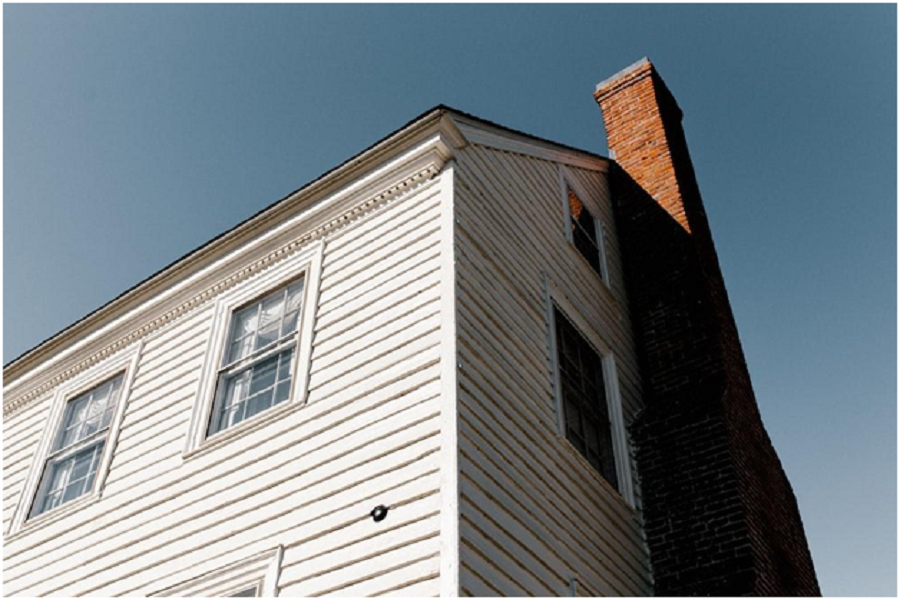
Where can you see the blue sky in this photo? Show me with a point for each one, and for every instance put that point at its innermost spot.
(133, 134)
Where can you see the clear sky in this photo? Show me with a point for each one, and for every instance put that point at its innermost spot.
(133, 134)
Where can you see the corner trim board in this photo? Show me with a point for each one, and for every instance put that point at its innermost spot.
(449, 477)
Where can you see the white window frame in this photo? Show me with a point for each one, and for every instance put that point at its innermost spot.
(260, 570)
(124, 362)
(555, 298)
(566, 181)
(307, 264)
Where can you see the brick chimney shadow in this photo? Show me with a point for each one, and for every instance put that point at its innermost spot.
(720, 516)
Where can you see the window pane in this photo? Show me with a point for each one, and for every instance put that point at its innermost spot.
(245, 322)
(237, 389)
(258, 403)
(87, 413)
(264, 322)
(587, 248)
(81, 466)
(68, 479)
(271, 310)
(584, 231)
(263, 375)
(583, 392)
(292, 310)
(248, 593)
(253, 390)
(240, 348)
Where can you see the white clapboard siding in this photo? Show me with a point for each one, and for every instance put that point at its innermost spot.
(147, 510)
(429, 349)
(426, 587)
(369, 434)
(533, 514)
(23, 432)
(20, 435)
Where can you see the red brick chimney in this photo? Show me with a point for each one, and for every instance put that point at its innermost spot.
(720, 515)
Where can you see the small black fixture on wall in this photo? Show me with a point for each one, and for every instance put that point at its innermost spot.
(379, 513)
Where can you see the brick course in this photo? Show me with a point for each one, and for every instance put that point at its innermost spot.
(720, 515)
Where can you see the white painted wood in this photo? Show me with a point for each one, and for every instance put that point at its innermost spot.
(303, 478)
(125, 362)
(535, 514)
(414, 155)
(428, 389)
(373, 405)
(306, 264)
(500, 139)
(568, 180)
(621, 446)
(260, 571)
(449, 519)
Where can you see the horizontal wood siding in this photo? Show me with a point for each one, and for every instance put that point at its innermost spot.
(534, 515)
(369, 435)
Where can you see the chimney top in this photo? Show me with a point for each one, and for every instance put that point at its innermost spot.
(644, 62)
(632, 74)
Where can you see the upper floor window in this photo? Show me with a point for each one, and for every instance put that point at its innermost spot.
(257, 368)
(586, 232)
(584, 398)
(583, 226)
(73, 457)
(71, 466)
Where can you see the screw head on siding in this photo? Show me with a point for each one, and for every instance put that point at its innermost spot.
(379, 513)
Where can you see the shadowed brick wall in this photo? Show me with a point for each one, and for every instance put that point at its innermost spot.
(721, 517)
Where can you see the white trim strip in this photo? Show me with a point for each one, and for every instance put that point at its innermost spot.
(449, 479)
(510, 142)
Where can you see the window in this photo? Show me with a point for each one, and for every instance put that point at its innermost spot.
(71, 467)
(583, 392)
(257, 368)
(584, 229)
(76, 446)
(251, 576)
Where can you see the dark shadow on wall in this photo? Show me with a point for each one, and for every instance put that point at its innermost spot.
(719, 512)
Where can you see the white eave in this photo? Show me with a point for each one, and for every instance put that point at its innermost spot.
(434, 136)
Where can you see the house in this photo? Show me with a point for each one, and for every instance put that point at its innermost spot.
(467, 361)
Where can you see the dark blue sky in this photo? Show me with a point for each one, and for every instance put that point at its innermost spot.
(132, 134)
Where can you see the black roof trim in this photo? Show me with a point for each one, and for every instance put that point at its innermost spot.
(440, 108)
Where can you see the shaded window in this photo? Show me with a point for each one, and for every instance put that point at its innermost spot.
(584, 231)
(250, 592)
(583, 394)
(71, 467)
(257, 369)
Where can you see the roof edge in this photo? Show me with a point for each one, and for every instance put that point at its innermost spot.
(16, 366)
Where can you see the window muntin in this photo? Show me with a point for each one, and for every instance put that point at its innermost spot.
(71, 467)
(257, 369)
(584, 398)
(584, 231)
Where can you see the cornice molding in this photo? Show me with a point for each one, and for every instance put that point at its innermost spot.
(424, 162)
(350, 176)
(483, 135)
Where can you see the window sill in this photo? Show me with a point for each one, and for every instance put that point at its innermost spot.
(570, 448)
(244, 428)
(52, 516)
